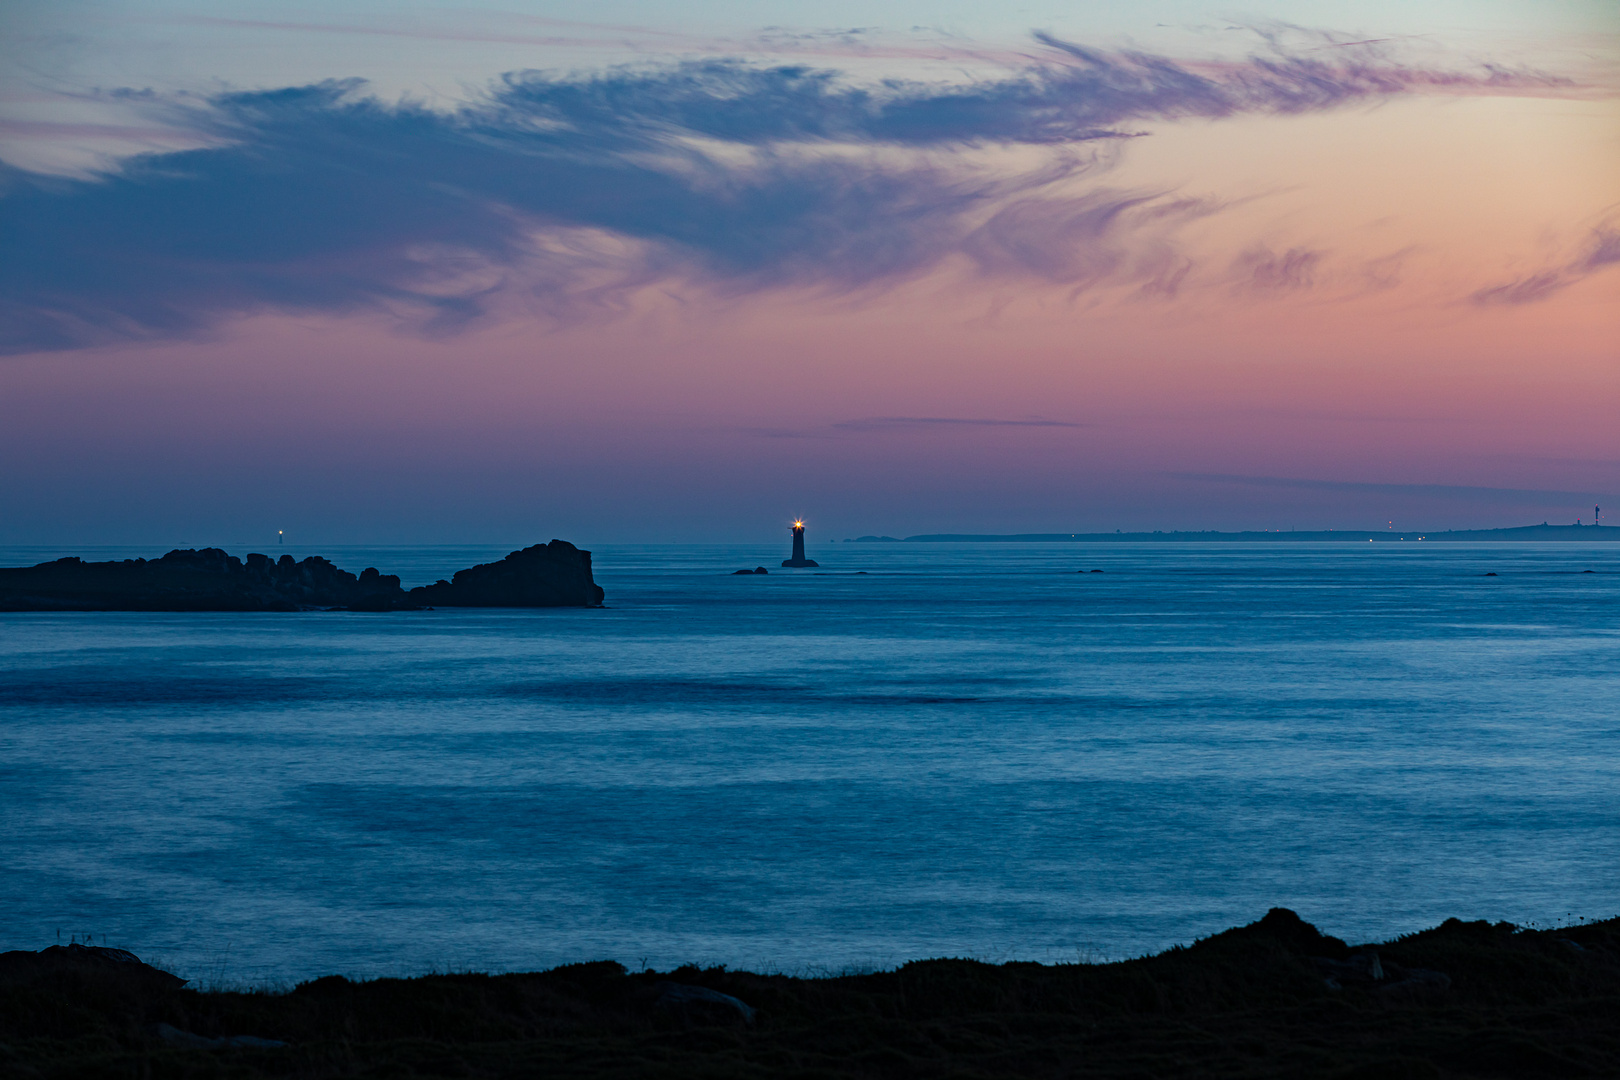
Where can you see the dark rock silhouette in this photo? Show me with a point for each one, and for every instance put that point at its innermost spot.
(557, 574)
(699, 1004)
(193, 580)
(87, 963)
(554, 575)
(1365, 968)
(755, 570)
(1274, 998)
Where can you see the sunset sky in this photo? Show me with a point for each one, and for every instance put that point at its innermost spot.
(634, 271)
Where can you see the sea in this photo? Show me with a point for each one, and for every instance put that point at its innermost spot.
(1052, 752)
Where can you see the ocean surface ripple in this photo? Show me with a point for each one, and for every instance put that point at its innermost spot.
(970, 750)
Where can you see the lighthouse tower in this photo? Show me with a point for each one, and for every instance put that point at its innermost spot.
(798, 548)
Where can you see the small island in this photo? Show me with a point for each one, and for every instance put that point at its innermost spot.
(557, 574)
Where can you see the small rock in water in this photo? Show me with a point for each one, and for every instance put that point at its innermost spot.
(755, 570)
(1490, 573)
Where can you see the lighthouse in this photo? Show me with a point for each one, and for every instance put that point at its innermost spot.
(798, 548)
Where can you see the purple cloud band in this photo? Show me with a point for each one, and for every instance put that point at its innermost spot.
(891, 423)
(318, 198)
(1602, 250)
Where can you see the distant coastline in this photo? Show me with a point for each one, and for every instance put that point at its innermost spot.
(1542, 532)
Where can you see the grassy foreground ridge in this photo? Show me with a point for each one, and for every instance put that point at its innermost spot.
(1271, 999)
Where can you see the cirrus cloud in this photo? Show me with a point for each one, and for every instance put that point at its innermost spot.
(564, 190)
(1601, 250)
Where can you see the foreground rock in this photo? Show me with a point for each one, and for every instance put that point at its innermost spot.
(1276, 998)
(700, 1005)
(557, 574)
(92, 963)
(546, 575)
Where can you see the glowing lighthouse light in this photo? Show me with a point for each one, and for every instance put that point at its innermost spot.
(798, 547)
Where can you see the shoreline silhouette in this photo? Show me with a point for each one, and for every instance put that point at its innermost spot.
(1276, 997)
(545, 575)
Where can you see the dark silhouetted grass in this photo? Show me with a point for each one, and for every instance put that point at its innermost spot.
(1250, 1002)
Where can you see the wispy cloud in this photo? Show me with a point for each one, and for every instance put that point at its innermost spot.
(1263, 269)
(843, 428)
(1601, 250)
(889, 423)
(558, 191)
(1446, 491)
(427, 33)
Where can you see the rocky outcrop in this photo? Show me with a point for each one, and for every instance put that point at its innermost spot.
(557, 574)
(80, 963)
(554, 575)
(194, 580)
(699, 1004)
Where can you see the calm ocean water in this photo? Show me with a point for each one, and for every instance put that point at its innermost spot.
(971, 750)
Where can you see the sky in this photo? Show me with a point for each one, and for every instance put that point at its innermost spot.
(637, 272)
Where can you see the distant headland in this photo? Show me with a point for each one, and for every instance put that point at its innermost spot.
(546, 575)
(1543, 531)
